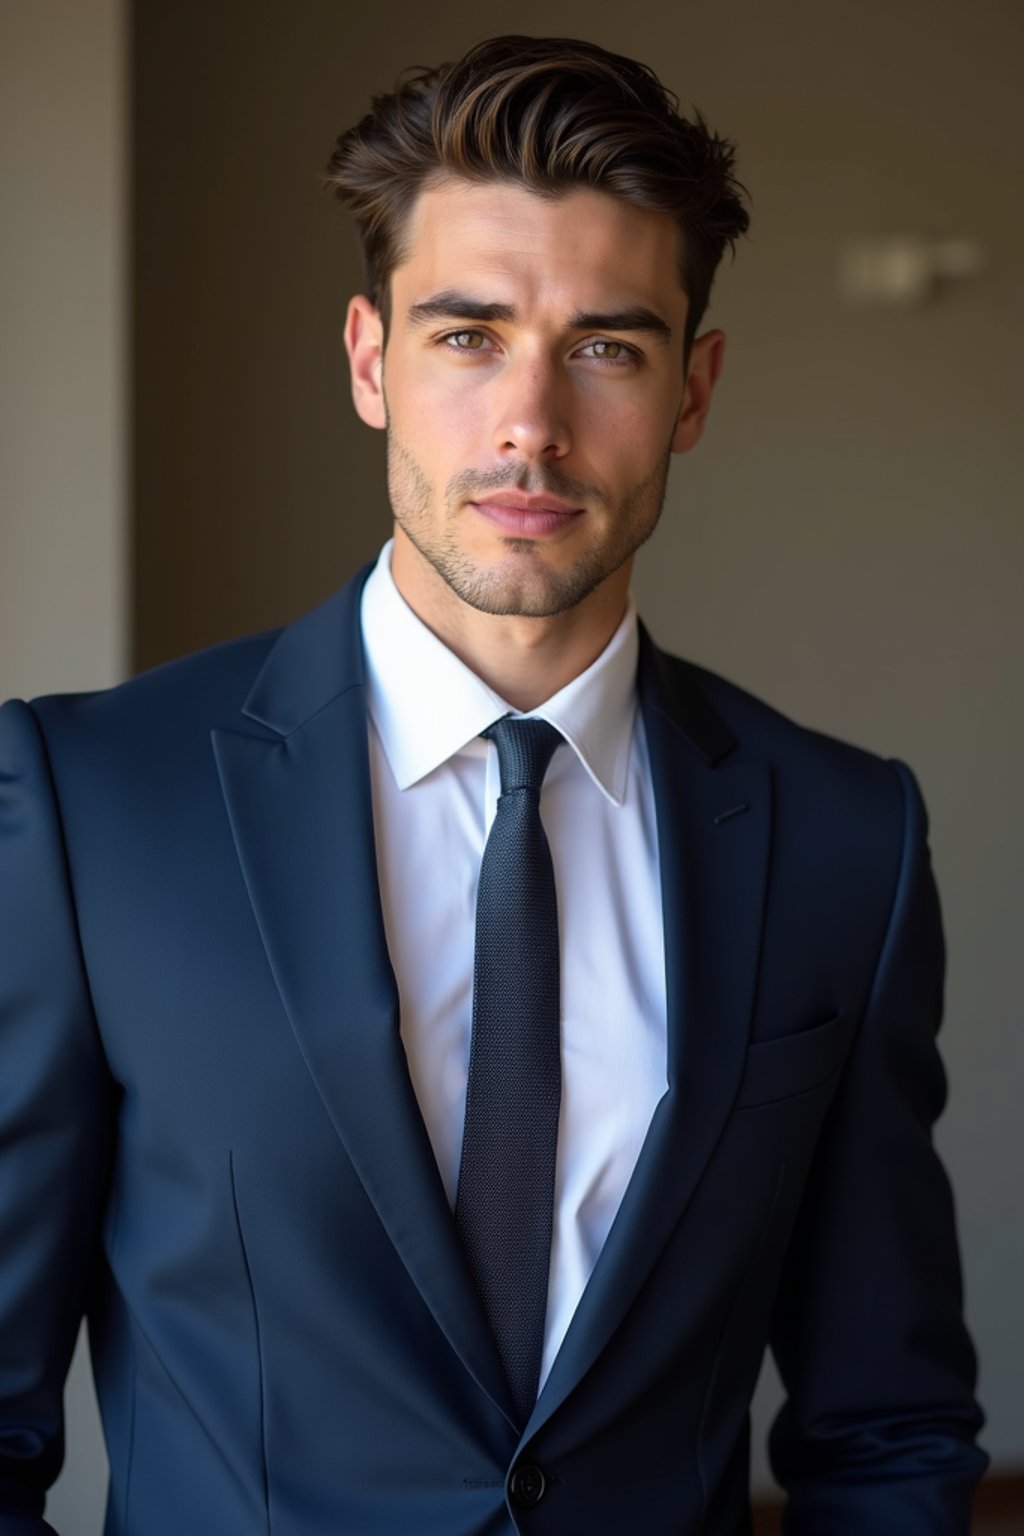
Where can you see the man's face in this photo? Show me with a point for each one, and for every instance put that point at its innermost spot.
(532, 388)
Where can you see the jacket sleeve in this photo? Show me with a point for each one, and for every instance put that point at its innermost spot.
(54, 1127)
(877, 1433)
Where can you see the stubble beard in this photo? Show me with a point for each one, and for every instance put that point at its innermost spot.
(519, 588)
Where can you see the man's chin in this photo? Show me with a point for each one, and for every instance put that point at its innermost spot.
(536, 592)
(522, 580)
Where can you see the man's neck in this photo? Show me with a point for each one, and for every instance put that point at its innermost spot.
(525, 660)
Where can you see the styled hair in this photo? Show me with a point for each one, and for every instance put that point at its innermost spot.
(549, 114)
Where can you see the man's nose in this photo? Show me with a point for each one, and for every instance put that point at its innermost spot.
(533, 412)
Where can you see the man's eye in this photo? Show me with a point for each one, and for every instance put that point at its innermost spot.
(610, 351)
(464, 341)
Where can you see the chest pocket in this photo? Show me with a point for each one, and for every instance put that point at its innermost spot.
(794, 1064)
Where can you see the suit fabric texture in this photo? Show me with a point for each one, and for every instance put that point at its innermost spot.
(209, 1141)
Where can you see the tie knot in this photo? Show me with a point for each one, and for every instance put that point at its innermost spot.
(525, 748)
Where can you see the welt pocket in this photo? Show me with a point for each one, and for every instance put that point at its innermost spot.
(792, 1064)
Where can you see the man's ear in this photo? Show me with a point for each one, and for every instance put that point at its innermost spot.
(364, 343)
(706, 357)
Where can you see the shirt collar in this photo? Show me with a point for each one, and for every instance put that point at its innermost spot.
(426, 704)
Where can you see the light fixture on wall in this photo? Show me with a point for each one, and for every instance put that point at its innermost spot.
(903, 269)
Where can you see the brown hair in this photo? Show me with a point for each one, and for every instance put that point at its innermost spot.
(550, 114)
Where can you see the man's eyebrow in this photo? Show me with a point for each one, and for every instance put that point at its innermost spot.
(458, 306)
(636, 318)
(451, 305)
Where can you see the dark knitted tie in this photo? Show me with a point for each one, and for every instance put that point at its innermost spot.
(505, 1199)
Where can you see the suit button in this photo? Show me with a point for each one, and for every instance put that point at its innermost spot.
(526, 1485)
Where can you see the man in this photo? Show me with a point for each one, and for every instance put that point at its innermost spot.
(435, 1161)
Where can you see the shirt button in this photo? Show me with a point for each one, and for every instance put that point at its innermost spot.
(526, 1485)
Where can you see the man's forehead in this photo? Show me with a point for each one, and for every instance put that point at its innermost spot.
(495, 239)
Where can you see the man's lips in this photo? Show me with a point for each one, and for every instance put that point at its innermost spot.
(527, 516)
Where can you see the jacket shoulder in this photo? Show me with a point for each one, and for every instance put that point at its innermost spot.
(760, 729)
(201, 690)
(835, 802)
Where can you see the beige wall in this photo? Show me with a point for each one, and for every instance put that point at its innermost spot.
(63, 305)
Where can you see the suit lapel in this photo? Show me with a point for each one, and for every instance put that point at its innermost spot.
(714, 858)
(299, 801)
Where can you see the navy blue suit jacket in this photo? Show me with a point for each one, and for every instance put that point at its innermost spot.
(209, 1141)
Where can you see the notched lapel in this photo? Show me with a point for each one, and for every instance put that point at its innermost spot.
(714, 822)
(300, 809)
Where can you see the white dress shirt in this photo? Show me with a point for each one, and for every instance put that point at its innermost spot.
(435, 788)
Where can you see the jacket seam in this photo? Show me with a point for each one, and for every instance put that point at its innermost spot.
(264, 1468)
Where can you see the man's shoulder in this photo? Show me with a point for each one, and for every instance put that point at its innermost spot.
(159, 724)
(130, 749)
(835, 806)
(805, 761)
(204, 689)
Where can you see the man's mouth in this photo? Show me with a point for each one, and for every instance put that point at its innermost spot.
(526, 516)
